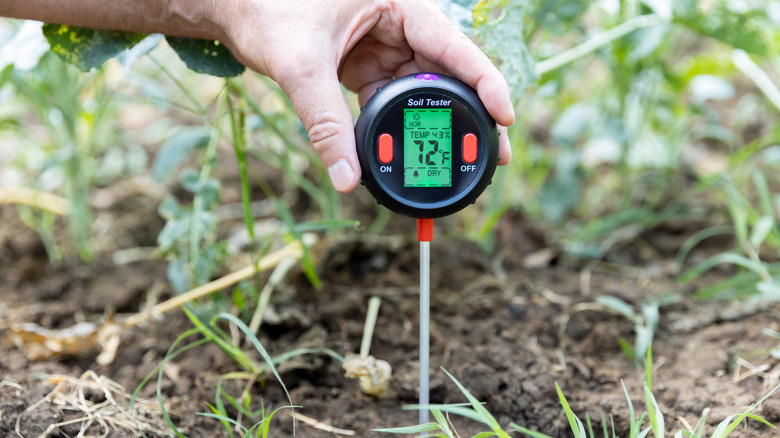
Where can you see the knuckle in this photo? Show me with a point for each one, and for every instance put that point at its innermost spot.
(322, 132)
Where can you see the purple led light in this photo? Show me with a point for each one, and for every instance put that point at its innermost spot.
(427, 77)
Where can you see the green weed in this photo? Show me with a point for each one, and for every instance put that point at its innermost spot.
(253, 371)
(475, 410)
(77, 150)
(757, 235)
(260, 419)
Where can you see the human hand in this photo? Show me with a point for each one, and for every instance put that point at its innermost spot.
(309, 47)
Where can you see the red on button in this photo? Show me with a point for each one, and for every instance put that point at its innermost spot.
(469, 148)
(385, 148)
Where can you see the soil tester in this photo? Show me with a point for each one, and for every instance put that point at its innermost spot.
(427, 148)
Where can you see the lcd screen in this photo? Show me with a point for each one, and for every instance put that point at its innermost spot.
(427, 147)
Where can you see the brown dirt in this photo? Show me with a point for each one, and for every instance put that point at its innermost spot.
(495, 326)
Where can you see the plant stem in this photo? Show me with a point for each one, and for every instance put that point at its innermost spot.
(36, 199)
(759, 77)
(368, 328)
(265, 295)
(180, 85)
(597, 41)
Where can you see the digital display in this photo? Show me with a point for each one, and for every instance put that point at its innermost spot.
(427, 147)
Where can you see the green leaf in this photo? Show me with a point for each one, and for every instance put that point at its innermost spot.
(557, 16)
(179, 276)
(502, 39)
(428, 427)
(654, 414)
(208, 57)
(749, 30)
(87, 48)
(761, 420)
(444, 425)
(726, 257)
(486, 416)
(260, 349)
(577, 428)
(761, 230)
(698, 237)
(529, 432)
(225, 420)
(617, 305)
(176, 150)
(457, 409)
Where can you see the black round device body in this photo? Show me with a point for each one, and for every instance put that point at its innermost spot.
(427, 145)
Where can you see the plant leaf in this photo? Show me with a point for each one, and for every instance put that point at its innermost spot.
(749, 30)
(529, 432)
(87, 48)
(427, 427)
(726, 257)
(617, 305)
(576, 425)
(486, 417)
(208, 57)
(654, 414)
(761, 230)
(503, 40)
(176, 149)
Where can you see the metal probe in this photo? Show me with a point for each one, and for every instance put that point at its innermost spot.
(425, 235)
(425, 332)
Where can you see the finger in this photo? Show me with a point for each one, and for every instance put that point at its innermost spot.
(368, 90)
(504, 147)
(319, 102)
(371, 60)
(431, 34)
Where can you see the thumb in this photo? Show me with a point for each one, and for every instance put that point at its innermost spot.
(321, 106)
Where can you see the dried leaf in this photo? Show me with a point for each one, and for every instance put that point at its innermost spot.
(40, 343)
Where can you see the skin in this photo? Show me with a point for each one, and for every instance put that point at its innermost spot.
(309, 48)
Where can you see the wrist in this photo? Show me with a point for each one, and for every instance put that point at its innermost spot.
(195, 19)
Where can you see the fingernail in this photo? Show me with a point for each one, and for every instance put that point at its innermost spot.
(341, 175)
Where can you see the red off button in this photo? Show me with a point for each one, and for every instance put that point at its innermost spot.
(469, 148)
(385, 148)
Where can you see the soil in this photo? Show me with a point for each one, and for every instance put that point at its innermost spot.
(508, 326)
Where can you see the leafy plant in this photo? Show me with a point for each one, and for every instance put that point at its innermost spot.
(78, 151)
(211, 332)
(645, 323)
(755, 229)
(654, 415)
(622, 100)
(474, 410)
(259, 418)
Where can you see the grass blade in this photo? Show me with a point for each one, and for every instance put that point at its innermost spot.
(576, 425)
(427, 427)
(529, 432)
(444, 425)
(727, 426)
(726, 257)
(487, 417)
(654, 414)
(696, 238)
(260, 349)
